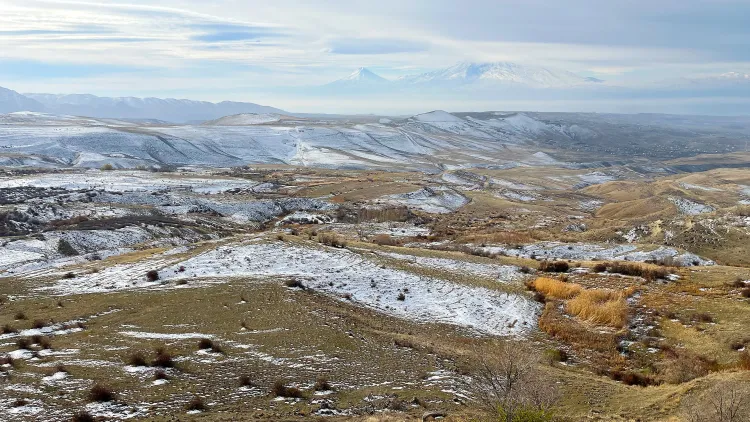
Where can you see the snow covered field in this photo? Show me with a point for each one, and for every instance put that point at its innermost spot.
(345, 274)
(126, 181)
(341, 272)
(688, 207)
(594, 252)
(437, 200)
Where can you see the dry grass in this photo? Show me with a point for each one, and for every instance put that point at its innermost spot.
(600, 306)
(554, 288)
(570, 331)
(385, 240)
(331, 239)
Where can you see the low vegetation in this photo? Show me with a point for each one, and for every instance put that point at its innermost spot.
(605, 307)
(556, 289)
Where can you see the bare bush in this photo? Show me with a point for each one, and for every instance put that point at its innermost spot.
(331, 239)
(728, 401)
(385, 240)
(506, 383)
(196, 404)
(279, 389)
(554, 266)
(152, 275)
(101, 393)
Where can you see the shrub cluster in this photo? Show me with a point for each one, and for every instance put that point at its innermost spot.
(279, 389)
(649, 272)
(331, 239)
(554, 288)
(600, 306)
(554, 266)
(385, 240)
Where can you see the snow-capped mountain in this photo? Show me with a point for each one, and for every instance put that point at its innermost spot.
(500, 72)
(172, 110)
(11, 101)
(360, 77)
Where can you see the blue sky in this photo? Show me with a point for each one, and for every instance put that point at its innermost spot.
(259, 50)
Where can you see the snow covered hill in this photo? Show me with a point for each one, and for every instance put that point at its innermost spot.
(431, 142)
(498, 73)
(11, 101)
(249, 119)
(361, 76)
(171, 110)
(421, 142)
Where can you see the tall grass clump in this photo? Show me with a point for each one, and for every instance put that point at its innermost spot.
(600, 306)
(554, 288)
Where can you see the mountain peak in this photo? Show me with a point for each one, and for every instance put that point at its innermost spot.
(362, 74)
(502, 72)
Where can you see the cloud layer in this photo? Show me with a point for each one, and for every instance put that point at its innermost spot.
(238, 50)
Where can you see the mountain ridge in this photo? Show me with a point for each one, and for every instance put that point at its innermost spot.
(168, 109)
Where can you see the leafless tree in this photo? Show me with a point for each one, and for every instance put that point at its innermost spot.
(505, 380)
(728, 401)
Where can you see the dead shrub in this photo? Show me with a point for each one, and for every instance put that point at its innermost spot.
(599, 267)
(196, 404)
(8, 329)
(38, 324)
(556, 355)
(83, 416)
(600, 306)
(322, 384)
(101, 393)
(161, 375)
(137, 359)
(702, 317)
(728, 401)
(633, 378)
(163, 359)
(69, 275)
(23, 343)
(554, 288)
(245, 381)
(205, 344)
(554, 266)
(507, 384)
(45, 343)
(332, 239)
(385, 240)
(279, 389)
(683, 366)
(294, 283)
(745, 293)
(152, 275)
(20, 316)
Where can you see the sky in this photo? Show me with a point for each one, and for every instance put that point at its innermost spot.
(260, 51)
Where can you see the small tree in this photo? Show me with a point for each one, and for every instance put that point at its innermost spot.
(726, 402)
(506, 382)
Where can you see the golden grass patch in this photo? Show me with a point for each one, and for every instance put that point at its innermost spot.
(554, 288)
(600, 306)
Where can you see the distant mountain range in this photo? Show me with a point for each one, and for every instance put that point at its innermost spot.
(11, 101)
(461, 74)
(489, 85)
(170, 110)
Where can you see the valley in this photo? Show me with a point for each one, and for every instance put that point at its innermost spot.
(270, 267)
